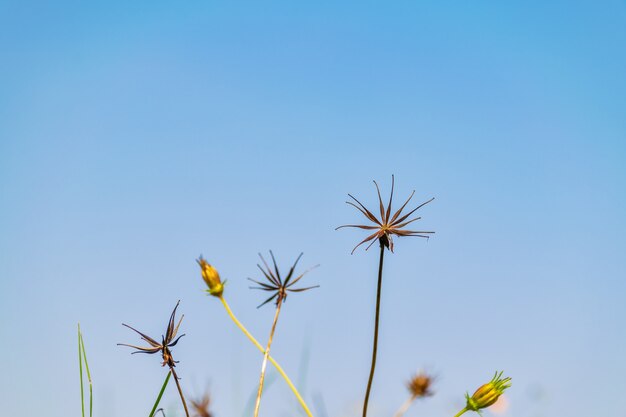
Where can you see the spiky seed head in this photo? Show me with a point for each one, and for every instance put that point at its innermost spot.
(211, 277)
(420, 385)
(488, 393)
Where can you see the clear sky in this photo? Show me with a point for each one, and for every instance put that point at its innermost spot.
(135, 136)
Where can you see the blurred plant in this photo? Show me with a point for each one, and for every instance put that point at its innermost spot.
(419, 387)
(486, 395)
(201, 406)
(280, 288)
(167, 342)
(82, 356)
(384, 227)
(212, 279)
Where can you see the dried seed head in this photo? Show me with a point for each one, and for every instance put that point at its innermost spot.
(276, 284)
(386, 225)
(488, 393)
(420, 384)
(211, 277)
(167, 341)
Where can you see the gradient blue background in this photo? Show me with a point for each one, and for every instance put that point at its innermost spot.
(135, 137)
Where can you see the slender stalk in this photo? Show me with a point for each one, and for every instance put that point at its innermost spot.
(260, 348)
(461, 412)
(180, 391)
(82, 344)
(404, 407)
(80, 366)
(375, 348)
(158, 400)
(279, 304)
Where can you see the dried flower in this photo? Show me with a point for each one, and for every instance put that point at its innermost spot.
(276, 284)
(488, 393)
(201, 406)
(419, 386)
(211, 277)
(167, 341)
(387, 225)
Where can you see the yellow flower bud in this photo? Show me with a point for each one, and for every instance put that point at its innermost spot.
(211, 277)
(488, 393)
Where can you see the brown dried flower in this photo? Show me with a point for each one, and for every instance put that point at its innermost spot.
(387, 225)
(420, 385)
(167, 341)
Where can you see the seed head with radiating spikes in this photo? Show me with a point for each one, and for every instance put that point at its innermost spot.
(276, 284)
(387, 225)
(167, 341)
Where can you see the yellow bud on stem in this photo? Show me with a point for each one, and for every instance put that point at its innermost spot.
(211, 277)
(488, 393)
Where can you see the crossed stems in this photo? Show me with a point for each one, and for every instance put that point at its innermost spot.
(279, 303)
(260, 348)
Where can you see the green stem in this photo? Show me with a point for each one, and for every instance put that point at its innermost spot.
(80, 366)
(158, 400)
(82, 344)
(375, 348)
(260, 348)
(463, 411)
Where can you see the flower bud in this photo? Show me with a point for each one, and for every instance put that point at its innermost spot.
(488, 393)
(211, 277)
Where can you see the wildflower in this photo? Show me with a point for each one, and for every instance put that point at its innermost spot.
(488, 393)
(211, 277)
(420, 384)
(280, 288)
(384, 228)
(167, 341)
(277, 285)
(387, 225)
(264, 352)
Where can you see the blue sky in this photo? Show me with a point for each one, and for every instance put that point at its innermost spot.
(135, 137)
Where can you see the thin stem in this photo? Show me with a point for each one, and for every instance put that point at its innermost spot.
(279, 304)
(375, 348)
(158, 400)
(82, 344)
(80, 366)
(461, 412)
(260, 348)
(180, 391)
(404, 407)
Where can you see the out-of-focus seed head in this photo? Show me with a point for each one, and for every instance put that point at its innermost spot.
(420, 385)
(488, 393)
(211, 277)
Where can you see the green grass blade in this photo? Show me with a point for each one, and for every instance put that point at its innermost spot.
(82, 344)
(80, 366)
(158, 400)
